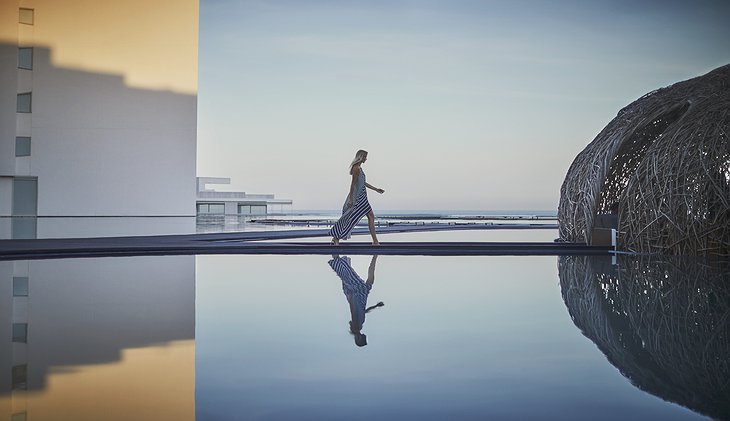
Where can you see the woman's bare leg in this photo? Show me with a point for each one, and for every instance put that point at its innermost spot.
(336, 241)
(371, 227)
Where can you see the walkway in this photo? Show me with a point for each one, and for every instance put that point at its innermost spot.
(255, 243)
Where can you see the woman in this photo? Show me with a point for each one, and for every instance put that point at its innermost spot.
(356, 291)
(356, 205)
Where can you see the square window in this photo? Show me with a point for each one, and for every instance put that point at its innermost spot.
(25, 16)
(24, 102)
(25, 58)
(22, 227)
(20, 333)
(20, 286)
(22, 146)
(20, 377)
(25, 196)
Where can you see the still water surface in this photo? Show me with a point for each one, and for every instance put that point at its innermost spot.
(271, 337)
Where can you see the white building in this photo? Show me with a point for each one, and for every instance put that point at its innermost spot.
(212, 202)
(98, 108)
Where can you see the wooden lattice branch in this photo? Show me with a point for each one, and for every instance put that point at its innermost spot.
(664, 165)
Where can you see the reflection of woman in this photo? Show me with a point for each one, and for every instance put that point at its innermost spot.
(356, 205)
(356, 290)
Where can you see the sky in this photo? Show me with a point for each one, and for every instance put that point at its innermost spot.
(461, 104)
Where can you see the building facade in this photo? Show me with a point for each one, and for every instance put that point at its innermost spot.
(98, 108)
(212, 202)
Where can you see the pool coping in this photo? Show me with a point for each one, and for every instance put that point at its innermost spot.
(255, 242)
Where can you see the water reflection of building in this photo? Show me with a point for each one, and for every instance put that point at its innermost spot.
(212, 202)
(98, 110)
(665, 324)
(105, 338)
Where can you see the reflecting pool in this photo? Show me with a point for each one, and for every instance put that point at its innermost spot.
(98, 339)
(234, 337)
(663, 322)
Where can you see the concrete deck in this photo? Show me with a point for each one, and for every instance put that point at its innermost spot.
(254, 243)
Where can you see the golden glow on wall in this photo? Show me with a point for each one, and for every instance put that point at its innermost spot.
(152, 44)
(152, 383)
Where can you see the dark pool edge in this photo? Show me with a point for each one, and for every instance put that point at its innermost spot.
(255, 243)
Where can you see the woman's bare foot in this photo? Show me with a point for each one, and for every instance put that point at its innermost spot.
(335, 242)
(376, 242)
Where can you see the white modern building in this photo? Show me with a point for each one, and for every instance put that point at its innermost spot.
(98, 109)
(212, 202)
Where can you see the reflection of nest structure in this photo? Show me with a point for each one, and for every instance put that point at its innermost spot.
(664, 324)
(664, 165)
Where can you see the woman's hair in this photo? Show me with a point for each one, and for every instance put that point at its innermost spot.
(359, 157)
(360, 338)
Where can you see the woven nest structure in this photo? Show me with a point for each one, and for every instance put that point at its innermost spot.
(662, 165)
(665, 324)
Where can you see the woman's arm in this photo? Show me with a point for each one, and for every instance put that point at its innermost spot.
(381, 191)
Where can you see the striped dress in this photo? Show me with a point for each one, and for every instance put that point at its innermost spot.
(353, 214)
(356, 290)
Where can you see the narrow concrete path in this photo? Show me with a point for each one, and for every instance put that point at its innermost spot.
(254, 243)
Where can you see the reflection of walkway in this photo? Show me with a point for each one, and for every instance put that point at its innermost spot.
(665, 324)
(356, 290)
